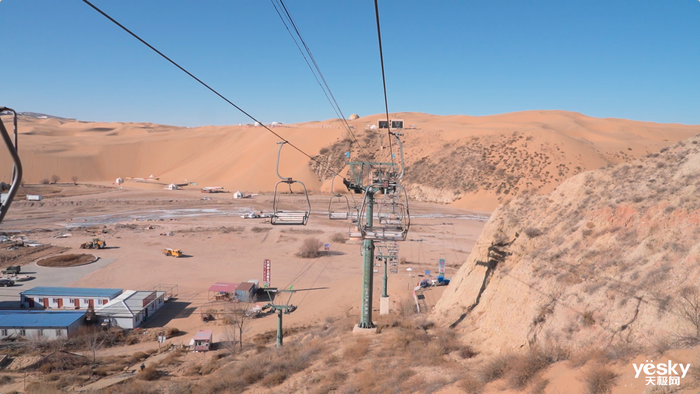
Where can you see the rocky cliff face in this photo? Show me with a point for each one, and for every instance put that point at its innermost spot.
(609, 256)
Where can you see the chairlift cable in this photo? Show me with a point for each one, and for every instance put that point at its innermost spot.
(381, 58)
(318, 276)
(315, 70)
(202, 82)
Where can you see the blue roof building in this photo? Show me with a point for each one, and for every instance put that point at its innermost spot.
(39, 324)
(67, 297)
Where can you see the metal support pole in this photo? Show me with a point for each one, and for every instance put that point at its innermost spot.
(384, 294)
(279, 328)
(367, 268)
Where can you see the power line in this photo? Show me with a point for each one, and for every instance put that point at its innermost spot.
(204, 84)
(315, 70)
(381, 58)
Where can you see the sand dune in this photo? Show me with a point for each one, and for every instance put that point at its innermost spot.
(474, 162)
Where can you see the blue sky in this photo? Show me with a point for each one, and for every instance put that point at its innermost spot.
(626, 59)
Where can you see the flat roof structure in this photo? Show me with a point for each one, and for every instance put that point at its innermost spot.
(245, 286)
(75, 292)
(39, 319)
(224, 287)
(203, 335)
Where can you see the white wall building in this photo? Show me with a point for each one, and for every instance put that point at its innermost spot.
(66, 297)
(39, 324)
(131, 308)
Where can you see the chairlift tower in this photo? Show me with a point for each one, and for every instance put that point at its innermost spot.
(281, 309)
(372, 178)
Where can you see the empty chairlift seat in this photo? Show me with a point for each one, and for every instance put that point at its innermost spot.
(281, 213)
(393, 219)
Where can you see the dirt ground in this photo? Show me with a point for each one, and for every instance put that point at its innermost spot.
(22, 255)
(218, 245)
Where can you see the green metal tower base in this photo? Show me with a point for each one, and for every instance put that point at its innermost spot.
(367, 270)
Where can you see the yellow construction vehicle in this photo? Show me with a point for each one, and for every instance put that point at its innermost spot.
(172, 252)
(96, 243)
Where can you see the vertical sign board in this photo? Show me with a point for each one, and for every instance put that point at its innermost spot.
(441, 267)
(266, 273)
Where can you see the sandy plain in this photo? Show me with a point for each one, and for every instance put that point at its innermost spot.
(219, 245)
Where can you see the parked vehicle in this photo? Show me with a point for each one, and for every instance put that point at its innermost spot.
(172, 252)
(12, 270)
(6, 282)
(96, 243)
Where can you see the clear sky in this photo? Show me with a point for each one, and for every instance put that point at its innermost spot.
(625, 59)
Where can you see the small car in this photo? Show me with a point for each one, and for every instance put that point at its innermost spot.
(6, 282)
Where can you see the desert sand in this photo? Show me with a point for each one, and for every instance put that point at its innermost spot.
(489, 151)
(220, 246)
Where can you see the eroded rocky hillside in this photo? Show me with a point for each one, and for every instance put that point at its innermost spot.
(610, 256)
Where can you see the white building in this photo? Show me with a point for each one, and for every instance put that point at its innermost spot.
(66, 297)
(39, 324)
(131, 308)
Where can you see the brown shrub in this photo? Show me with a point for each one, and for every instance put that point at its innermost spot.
(45, 181)
(171, 359)
(310, 248)
(138, 356)
(339, 238)
(533, 232)
(209, 367)
(523, 368)
(467, 352)
(599, 379)
(471, 385)
(171, 332)
(149, 373)
(274, 379)
(494, 368)
(193, 370)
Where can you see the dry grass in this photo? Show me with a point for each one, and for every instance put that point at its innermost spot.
(599, 379)
(471, 385)
(173, 358)
(523, 368)
(310, 248)
(357, 350)
(494, 368)
(149, 373)
(270, 368)
(339, 238)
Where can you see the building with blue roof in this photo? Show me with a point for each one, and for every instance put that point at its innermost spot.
(38, 324)
(80, 298)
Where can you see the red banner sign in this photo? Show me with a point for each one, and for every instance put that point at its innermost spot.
(266, 273)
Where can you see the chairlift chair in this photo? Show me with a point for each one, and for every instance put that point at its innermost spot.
(17, 171)
(338, 206)
(288, 217)
(394, 218)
